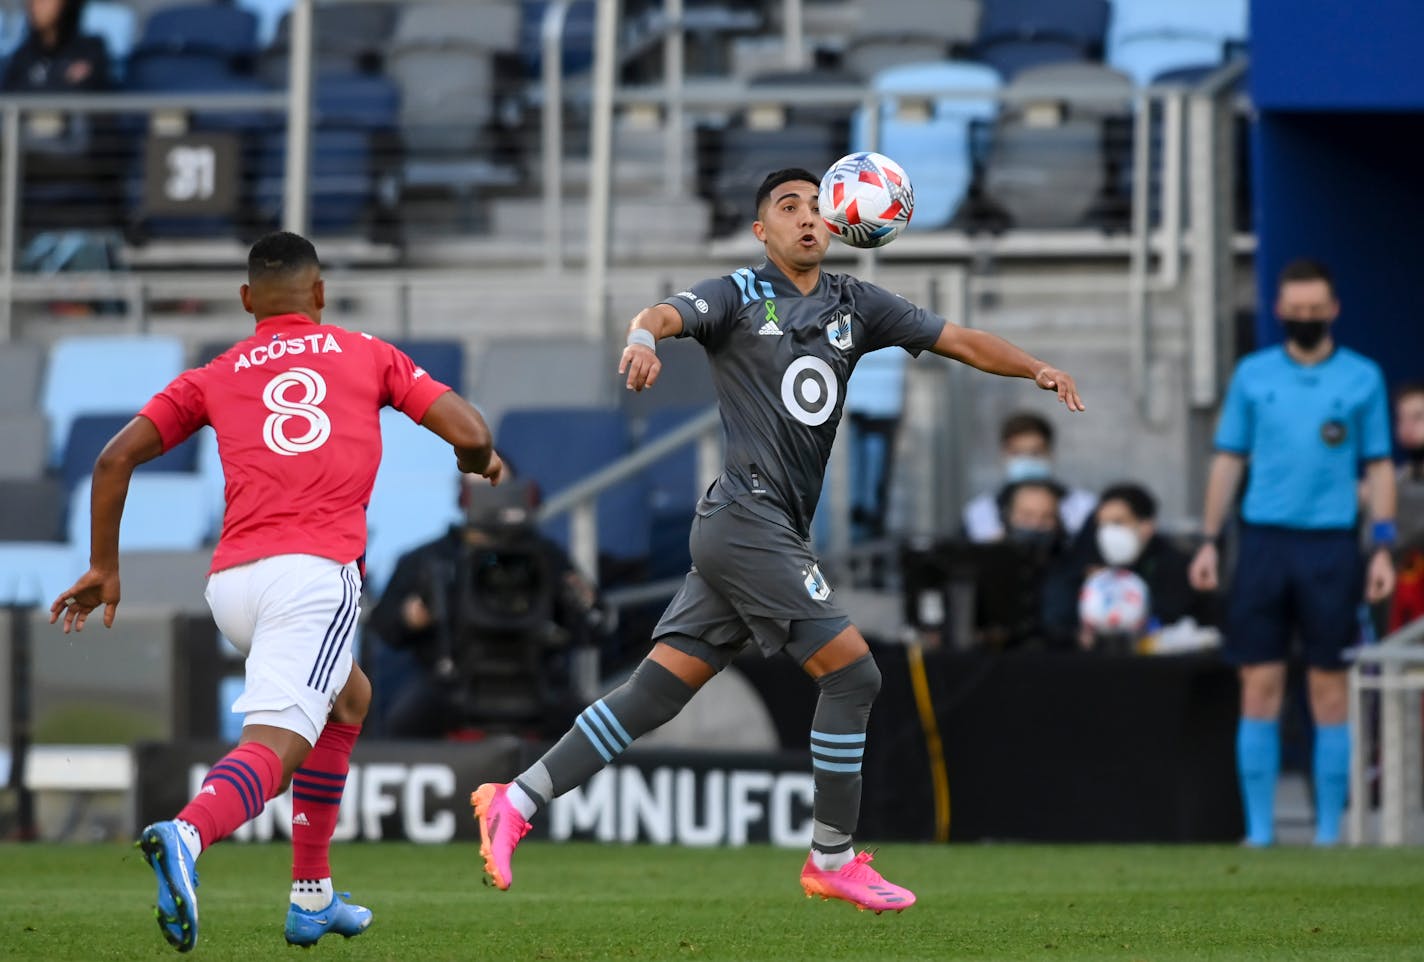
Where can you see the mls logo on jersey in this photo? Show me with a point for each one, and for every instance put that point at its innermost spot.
(838, 331)
(816, 584)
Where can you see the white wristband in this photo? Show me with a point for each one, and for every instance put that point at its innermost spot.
(643, 336)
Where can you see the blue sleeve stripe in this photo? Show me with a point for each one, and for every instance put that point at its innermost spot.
(593, 737)
(835, 766)
(607, 713)
(854, 738)
(837, 752)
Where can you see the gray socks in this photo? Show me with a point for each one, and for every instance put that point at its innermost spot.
(651, 696)
(837, 747)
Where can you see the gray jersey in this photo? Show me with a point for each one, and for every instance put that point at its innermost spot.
(780, 362)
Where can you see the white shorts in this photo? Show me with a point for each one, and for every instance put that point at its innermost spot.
(293, 616)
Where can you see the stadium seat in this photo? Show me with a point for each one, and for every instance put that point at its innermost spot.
(162, 511)
(217, 30)
(1063, 171)
(408, 448)
(269, 14)
(32, 510)
(210, 473)
(1148, 38)
(90, 432)
(407, 509)
(24, 439)
(1015, 35)
(442, 360)
(487, 26)
(577, 46)
(447, 96)
(929, 135)
(745, 155)
(117, 24)
(167, 579)
(558, 447)
(684, 382)
(541, 373)
(103, 374)
(346, 37)
(21, 364)
(893, 32)
(34, 573)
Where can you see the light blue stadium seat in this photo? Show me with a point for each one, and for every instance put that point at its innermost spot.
(406, 447)
(558, 447)
(1148, 37)
(161, 512)
(407, 509)
(116, 24)
(211, 474)
(97, 375)
(932, 145)
(877, 388)
(269, 14)
(35, 573)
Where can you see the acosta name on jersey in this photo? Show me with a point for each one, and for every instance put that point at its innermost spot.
(281, 347)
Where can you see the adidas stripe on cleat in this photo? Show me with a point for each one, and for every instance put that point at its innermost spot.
(857, 883)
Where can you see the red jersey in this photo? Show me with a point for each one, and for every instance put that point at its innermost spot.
(296, 408)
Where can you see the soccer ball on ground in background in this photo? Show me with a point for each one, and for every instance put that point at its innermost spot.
(1113, 601)
(866, 199)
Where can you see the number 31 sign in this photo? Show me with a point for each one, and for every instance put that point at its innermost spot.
(191, 174)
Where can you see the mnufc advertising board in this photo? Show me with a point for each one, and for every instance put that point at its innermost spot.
(419, 792)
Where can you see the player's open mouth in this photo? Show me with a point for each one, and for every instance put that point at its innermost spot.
(809, 240)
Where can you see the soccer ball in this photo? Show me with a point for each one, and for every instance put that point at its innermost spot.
(1113, 601)
(866, 199)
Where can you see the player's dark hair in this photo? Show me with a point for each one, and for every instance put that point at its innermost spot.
(1137, 498)
(776, 178)
(1306, 269)
(1025, 422)
(280, 253)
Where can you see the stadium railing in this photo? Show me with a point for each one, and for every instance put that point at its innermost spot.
(1386, 699)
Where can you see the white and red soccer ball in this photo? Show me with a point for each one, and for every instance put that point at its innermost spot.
(1113, 601)
(866, 199)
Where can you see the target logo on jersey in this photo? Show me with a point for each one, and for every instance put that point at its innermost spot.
(866, 199)
(1113, 600)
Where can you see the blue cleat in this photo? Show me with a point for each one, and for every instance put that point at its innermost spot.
(177, 872)
(304, 928)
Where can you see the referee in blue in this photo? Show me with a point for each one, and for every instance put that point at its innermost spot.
(1305, 415)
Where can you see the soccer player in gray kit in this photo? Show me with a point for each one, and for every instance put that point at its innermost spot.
(782, 339)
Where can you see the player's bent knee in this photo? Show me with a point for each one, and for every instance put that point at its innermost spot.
(858, 682)
(354, 701)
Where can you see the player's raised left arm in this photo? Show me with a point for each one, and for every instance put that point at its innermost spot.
(994, 355)
(137, 442)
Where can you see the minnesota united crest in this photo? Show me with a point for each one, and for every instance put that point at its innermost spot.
(838, 331)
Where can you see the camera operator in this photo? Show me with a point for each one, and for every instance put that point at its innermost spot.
(496, 615)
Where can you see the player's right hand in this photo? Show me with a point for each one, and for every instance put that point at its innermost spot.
(641, 364)
(93, 589)
(1203, 572)
(493, 472)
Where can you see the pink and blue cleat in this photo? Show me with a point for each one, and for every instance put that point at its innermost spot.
(857, 883)
(501, 828)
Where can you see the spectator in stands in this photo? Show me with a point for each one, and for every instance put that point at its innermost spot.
(424, 610)
(1026, 448)
(1122, 533)
(68, 183)
(1031, 513)
(1306, 415)
(55, 57)
(1408, 602)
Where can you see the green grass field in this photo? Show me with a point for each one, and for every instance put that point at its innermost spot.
(595, 902)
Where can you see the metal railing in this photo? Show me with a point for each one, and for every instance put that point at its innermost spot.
(1393, 672)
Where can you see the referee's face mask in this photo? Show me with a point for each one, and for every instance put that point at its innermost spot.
(1306, 309)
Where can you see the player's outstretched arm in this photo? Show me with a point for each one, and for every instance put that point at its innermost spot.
(640, 358)
(994, 355)
(455, 420)
(137, 442)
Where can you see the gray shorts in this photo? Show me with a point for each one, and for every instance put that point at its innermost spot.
(751, 579)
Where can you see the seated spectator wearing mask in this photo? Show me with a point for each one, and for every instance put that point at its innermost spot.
(1026, 449)
(1122, 534)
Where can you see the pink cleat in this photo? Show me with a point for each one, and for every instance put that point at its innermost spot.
(857, 883)
(501, 828)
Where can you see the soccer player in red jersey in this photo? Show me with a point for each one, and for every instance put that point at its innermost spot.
(296, 410)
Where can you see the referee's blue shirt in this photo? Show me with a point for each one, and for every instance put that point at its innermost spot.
(1306, 430)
